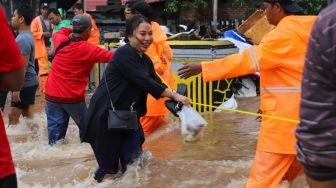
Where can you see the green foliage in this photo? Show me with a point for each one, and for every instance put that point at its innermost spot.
(172, 6)
(239, 3)
(311, 7)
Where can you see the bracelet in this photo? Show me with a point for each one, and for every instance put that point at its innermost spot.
(172, 94)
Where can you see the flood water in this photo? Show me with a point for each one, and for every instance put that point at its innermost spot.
(222, 158)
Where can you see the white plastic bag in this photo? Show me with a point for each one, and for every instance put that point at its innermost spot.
(192, 123)
(231, 104)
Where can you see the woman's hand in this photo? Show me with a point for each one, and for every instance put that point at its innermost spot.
(183, 99)
(175, 96)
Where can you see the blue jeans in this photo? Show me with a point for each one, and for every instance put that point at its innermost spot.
(58, 115)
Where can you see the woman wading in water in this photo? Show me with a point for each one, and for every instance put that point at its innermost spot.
(129, 77)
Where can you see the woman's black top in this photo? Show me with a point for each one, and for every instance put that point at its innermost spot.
(130, 77)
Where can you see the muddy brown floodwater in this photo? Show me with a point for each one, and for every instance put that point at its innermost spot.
(222, 158)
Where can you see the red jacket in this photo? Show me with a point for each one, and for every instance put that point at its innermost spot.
(71, 68)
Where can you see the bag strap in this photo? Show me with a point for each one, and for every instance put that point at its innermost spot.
(108, 91)
(64, 44)
(44, 27)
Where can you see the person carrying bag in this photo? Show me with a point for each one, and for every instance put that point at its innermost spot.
(121, 120)
(113, 128)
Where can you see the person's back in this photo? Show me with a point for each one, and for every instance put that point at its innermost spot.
(73, 60)
(317, 131)
(71, 67)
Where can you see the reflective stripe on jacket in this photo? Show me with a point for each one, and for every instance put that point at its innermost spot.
(279, 58)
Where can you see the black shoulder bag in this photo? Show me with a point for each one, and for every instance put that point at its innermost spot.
(121, 120)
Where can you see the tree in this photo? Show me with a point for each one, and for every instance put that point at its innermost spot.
(311, 7)
(173, 6)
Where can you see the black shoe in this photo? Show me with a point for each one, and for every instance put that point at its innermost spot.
(99, 175)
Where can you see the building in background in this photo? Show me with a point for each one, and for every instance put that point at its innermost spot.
(109, 17)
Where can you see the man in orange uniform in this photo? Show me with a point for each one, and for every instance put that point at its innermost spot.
(280, 59)
(94, 35)
(161, 54)
(40, 27)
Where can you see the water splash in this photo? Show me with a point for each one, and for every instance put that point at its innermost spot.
(221, 159)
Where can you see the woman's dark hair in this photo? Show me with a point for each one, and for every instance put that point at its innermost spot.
(142, 8)
(78, 6)
(26, 12)
(133, 23)
(54, 11)
(130, 3)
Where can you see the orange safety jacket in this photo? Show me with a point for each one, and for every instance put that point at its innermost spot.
(279, 58)
(161, 54)
(37, 31)
(94, 34)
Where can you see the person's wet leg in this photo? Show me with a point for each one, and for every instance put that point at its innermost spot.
(107, 157)
(14, 116)
(77, 112)
(269, 169)
(58, 121)
(131, 148)
(321, 184)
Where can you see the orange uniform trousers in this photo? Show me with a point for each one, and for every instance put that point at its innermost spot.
(150, 123)
(269, 169)
(43, 72)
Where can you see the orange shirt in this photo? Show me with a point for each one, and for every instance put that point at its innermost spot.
(279, 58)
(95, 34)
(37, 30)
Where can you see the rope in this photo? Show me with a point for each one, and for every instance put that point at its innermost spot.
(249, 113)
(240, 111)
